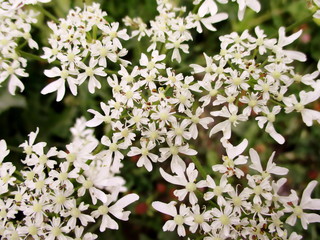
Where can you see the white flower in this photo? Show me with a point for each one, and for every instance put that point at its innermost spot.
(195, 120)
(260, 188)
(218, 190)
(59, 84)
(224, 219)
(208, 6)
(75, 212)
(253, 4)
(306, 203)
(153, 63)
(11, 71)
(176, 44)
(179, 133)
(271, 166)
(113, 154)
(284, 41)
(3, 150)
(78, 231)
(200, 220)
(146, 155)
(232, 119)
(179, 219)
(98, 118)
(56, 230)
(89, 184)
(308, 115)
(269, 119)
(90, 72)
(115, 209)
(232, 159)
(177, 164)
(187, 182)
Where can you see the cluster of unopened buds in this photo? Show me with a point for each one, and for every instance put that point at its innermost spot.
(156, 113)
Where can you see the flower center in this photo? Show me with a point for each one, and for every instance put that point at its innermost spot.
(63, 176)
(32, 230)
(191, 187)
(179, 220)
(37, 207)
(39, 185)
(129, 94)
(257, 190)
(43, 159)
(113, 147)
(299, 107)
(237, 81)
(75, 212)
(237, 201)
(60, 199)
(88, 184)
(164, 116)
(213, 92)
(178, 131)
(271, 117)
(174, 150)
(195, 119)
(89, 71)
(103, 210)
(56, 231)
(233, 118)
(198, 218)
(298, 211)
(144, 151)
(71, 157)
(224, 219)
(217, 190)
(64, 74)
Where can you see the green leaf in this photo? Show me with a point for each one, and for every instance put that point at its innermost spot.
(8, 101)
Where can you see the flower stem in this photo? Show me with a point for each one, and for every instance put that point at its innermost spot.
(31, 56)
(196, 162)
(298, 23)
(15, 149)
(46, 13)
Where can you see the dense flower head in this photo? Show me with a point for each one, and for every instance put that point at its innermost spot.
(83, 43)
(15, 24)
(155, 114)
(253, 209)
(257, 72)
(59, 198)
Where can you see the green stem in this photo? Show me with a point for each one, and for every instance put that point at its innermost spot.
(277, 103)
(94, 32)
(15, 149)
(299, 23)
(110, 71)
(230, 64)
(31, 56)
(46, 13)
(196, 162)
(180, 116)
(196, 8)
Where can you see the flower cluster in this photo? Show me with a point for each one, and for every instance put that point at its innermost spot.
(170, 30)
(59, 193)
(83, 44)
(155, 114)
(211, 6)
(316, 4)
(255, 210)
(15, 25)
(257, 72)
